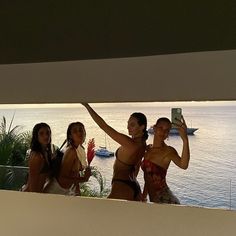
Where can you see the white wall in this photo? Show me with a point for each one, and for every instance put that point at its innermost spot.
(31, 214)
(194, 76)
(190, 76)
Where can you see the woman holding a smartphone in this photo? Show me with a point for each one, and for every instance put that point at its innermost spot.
(158, 158)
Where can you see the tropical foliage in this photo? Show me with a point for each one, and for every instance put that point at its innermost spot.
(90, 189)
(13, 170)
(12, 177)
(13, 147)
(13, 144)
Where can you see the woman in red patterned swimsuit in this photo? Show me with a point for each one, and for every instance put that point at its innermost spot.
(157, 160)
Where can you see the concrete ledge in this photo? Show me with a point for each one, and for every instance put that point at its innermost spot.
(42, 214)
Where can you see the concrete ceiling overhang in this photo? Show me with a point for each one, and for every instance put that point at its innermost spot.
(45, 30)
(117, 51)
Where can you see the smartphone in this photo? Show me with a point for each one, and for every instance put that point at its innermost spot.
(176, 114)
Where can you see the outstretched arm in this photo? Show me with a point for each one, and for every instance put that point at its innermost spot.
(120, 138)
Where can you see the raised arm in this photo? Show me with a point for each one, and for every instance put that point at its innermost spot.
(120, 138)
(182, 161)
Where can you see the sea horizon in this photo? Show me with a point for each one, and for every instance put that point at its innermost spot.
(210, 180)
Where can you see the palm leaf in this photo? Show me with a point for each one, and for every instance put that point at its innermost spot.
(15, 130)
(13, 147)
(12, 178)
(13, 144)
(98, 176)
(3, 126)
(6, 147)
(86, 190)
(11, 122)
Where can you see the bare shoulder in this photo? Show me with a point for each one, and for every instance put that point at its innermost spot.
(70, 150)
(70, 153)
(36, 162)
(36, 158)
(172, 150)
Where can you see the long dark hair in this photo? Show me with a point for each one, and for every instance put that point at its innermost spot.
(142, 120)
(35, 144)
(68, 133)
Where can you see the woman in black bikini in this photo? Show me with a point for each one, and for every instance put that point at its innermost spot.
(128, 155)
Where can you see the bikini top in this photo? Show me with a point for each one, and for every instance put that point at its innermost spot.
(152, 168)
(123, 169)
(124, 163)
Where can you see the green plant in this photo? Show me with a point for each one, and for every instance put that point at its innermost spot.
(12, 177)
(91, 191)
(13, 147)
(13, 144)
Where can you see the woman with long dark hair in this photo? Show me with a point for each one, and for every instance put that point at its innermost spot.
(39, 158)
(73, 163)
(128, 155)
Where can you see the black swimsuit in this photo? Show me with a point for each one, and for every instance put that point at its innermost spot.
(131, 181)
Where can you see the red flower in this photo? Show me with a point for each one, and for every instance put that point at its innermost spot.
(90, 150)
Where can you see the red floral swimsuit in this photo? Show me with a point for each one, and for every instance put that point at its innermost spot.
(155, 179)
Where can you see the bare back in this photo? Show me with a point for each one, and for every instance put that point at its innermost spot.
(69, 169)
(38, 172)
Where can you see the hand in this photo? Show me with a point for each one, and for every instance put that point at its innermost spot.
(148, 147)
(84, 104)
(182, 127)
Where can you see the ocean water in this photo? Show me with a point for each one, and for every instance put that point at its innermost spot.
(210, 180)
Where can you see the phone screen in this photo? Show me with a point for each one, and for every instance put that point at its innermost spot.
(176, 114)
